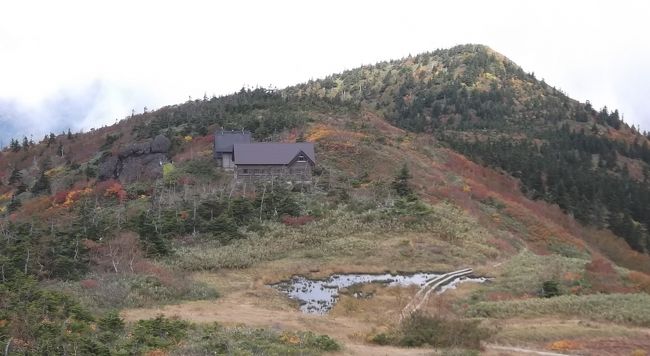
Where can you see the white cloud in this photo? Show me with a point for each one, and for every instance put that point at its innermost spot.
(153, 53)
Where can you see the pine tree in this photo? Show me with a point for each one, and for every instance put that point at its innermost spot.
(42, 184)
(401, 182)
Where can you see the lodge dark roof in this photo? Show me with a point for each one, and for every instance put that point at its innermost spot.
(272, 153)
(224, 140)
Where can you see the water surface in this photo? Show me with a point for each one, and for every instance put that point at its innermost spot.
(318, 296)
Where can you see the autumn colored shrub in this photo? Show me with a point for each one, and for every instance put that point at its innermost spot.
(88, 283)
(564, 345)
(111, 189)
(296, 220)
(602, 277)
(121, 254)
(640, 280)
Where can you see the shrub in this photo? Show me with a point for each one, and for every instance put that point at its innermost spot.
(157, 333)
(296, 220)
(421, 329)
(550, 289)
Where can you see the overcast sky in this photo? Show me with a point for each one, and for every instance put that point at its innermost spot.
(85, 63)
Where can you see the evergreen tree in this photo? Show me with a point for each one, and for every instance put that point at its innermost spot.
(42, 184)
(401, 182)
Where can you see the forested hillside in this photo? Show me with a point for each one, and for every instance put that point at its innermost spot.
(436, 162)
(590, 163)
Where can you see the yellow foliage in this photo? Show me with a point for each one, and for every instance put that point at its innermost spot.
(290, 338)
(188, 138)
(74, 196)
(54, 171)
(319, 132)
(6, 196)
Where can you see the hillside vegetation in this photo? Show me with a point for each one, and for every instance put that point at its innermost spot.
(445, 160)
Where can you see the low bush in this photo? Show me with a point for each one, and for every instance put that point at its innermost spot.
(425, 330)
(217, 340)
(158, 333)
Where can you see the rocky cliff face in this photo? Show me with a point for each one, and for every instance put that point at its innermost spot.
(137, 161)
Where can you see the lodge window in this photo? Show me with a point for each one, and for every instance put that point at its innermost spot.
(245, 171)
(301, 158)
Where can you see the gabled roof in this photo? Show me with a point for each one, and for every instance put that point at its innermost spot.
(224, 140)
(272, 153)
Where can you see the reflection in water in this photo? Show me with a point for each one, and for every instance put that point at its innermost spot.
(318, 296)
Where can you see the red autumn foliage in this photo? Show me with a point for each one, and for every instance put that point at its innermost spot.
(160, 273)
(89, 283)
(296, 220)
(185, 180)
(603, 278)
(60, 197)
(118, 255)
(502, 245)
(600, 266)
(111, 189)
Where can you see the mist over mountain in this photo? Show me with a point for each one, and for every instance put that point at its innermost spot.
(78, 109)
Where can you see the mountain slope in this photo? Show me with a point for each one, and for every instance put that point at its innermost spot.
(590, 163)
(96, 245)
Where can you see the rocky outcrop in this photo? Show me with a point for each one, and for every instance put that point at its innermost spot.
(137, 161)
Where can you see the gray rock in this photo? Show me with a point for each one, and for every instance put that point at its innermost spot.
(137, 161)
(143, 167)
(160, 144)
(136, 149)
(108, 168)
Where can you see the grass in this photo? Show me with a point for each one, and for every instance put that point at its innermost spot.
(352, 236)
(619, 308)
(537, 331)
(525, 272)
(424, 330)
(101, 292)
(217, 340)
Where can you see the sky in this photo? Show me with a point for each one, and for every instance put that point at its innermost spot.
(84, 64)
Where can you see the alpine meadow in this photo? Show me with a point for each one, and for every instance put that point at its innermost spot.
(445, 203)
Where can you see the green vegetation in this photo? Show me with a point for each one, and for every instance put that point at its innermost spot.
(75, 250)
(620, 308)
(485, 106)
(218, 340)
(420, 330)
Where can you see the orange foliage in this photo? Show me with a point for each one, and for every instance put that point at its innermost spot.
(67, 198)
(564, 345)
(640, 280)
(111, 188)
(571, 276)
(618, 250)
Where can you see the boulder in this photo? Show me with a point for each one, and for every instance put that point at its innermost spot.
(137, 161)
(160, 144)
